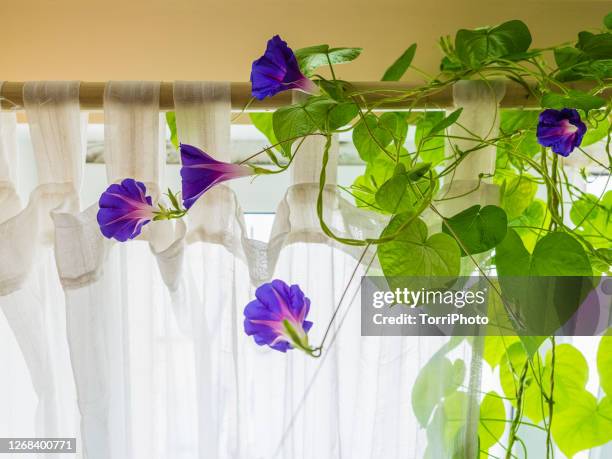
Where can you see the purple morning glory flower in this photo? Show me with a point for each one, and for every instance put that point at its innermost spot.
(277, 317)
(278, 70)
(561, 130)
(124, 210)
(200, 172)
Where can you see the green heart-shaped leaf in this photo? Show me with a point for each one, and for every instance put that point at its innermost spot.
(425, 395)
(311, 115)
(476, 47)
(289, 123)
(495, 347)
(573, 99)
(399, 194)
(604, 362)
(556, 254)
(478, 228)
(583, 424)
(517, 192)
(528, 224)
(559, 254)
(313, 57)
(593, 218)
(571, 374)
(596, 46)
(263, 122)
(370, 139)
(412, 253)
(492, 420)
(534, 283)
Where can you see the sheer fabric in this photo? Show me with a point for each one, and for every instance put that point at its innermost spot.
(31, 297)
(138, 349)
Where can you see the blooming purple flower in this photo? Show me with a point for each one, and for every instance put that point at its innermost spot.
(562, 130)
(278, 70)
(124, 210)
(200, 172)
(277, 317)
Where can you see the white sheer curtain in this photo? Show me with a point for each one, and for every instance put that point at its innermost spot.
(161, 363)
(128, 372)
(138, 349)
(31, 297)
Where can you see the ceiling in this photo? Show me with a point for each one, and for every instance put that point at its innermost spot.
(205, 40)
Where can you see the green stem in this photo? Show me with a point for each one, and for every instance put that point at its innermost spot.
(550, 399)
(519, 410)
(331, 67)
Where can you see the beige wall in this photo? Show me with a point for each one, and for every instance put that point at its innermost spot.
(217, 40)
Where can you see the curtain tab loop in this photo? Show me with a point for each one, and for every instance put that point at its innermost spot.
(306, 166)
(478, 122)
(133, 145)
(203, 115)
(57, 130)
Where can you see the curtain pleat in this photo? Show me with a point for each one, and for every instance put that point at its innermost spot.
(31, 297)
(479, 101)
(131, 132)
(18, 409)
(234, 376)
(9, 199)
(56, 127)
(216, 231)
(119, 330)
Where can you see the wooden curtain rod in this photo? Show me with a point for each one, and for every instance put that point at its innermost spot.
(91, 96)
